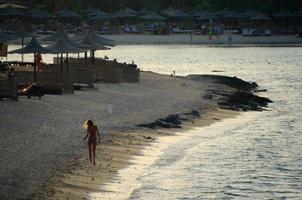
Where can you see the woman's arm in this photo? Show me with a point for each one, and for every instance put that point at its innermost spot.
(87, 133)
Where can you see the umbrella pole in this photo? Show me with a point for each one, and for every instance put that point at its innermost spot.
(61, 63)
(67, 66)
(22, 43)
(86, 59)
(35, 69)
(90, 56)
(78, 56)
(93, 53)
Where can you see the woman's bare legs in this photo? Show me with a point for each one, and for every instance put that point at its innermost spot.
(90, 151)
(93, 152)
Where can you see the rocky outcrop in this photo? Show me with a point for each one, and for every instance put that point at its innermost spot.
(238, 96)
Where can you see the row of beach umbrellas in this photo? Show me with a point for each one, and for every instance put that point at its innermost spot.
(65, 45)
(144, 14)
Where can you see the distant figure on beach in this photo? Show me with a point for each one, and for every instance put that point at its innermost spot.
(173, 74)
(93, 135)
(230, 39)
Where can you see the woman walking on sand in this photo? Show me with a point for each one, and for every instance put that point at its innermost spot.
(93, 135)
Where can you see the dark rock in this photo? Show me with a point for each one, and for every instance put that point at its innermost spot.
(208, 96)
(244, 101)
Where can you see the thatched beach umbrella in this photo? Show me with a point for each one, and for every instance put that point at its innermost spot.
(223, 12)
(81, 35)
(251, 13)
(178, 14)
(259, 20)
(92, 45)
(129, 10)
(88, 10)
(143, 11)
(200, 13)
(124, 14)
(152, 16)
(100, 17)
(208, 16)
(67, 13)
(100, 40)
(41, 14)
(169, 11)
(12, 5)
(32, 47)
(261, 17)
(234, 15)
(285, 15)
(62, 46)
(97, 12)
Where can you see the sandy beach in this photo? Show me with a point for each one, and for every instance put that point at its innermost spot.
(42, 150)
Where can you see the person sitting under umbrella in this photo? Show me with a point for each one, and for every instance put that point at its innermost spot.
(39, 61)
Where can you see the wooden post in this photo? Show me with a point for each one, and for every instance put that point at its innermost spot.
(22, 43)
(61, 63)
(67, 66)
(86, 59)
(35, 69)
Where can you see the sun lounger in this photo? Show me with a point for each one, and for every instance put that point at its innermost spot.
(134, 29)
(267, 32)
(179, 30)
(32, 90)
(127, 29)
(248, 32)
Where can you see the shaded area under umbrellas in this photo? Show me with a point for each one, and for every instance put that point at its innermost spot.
(72, 43)
(66, 13)
(259, 20)
(285, 16)
(62, 46)
(92, 45)
(41, 14)
(33, 47)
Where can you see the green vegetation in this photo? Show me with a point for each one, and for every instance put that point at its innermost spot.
(267, 6)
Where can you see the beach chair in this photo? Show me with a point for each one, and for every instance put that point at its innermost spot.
(127, 29)
(245, 32)
(134, 29)
(32, 90)
(252, 32)
(267, 32)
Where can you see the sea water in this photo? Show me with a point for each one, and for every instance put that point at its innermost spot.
(255, 156)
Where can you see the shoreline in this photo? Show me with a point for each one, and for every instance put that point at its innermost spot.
(203, 40)
(118, 181)
(65, 169)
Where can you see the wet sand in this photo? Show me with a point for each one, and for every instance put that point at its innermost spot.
(42, 150)
(121, 158)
